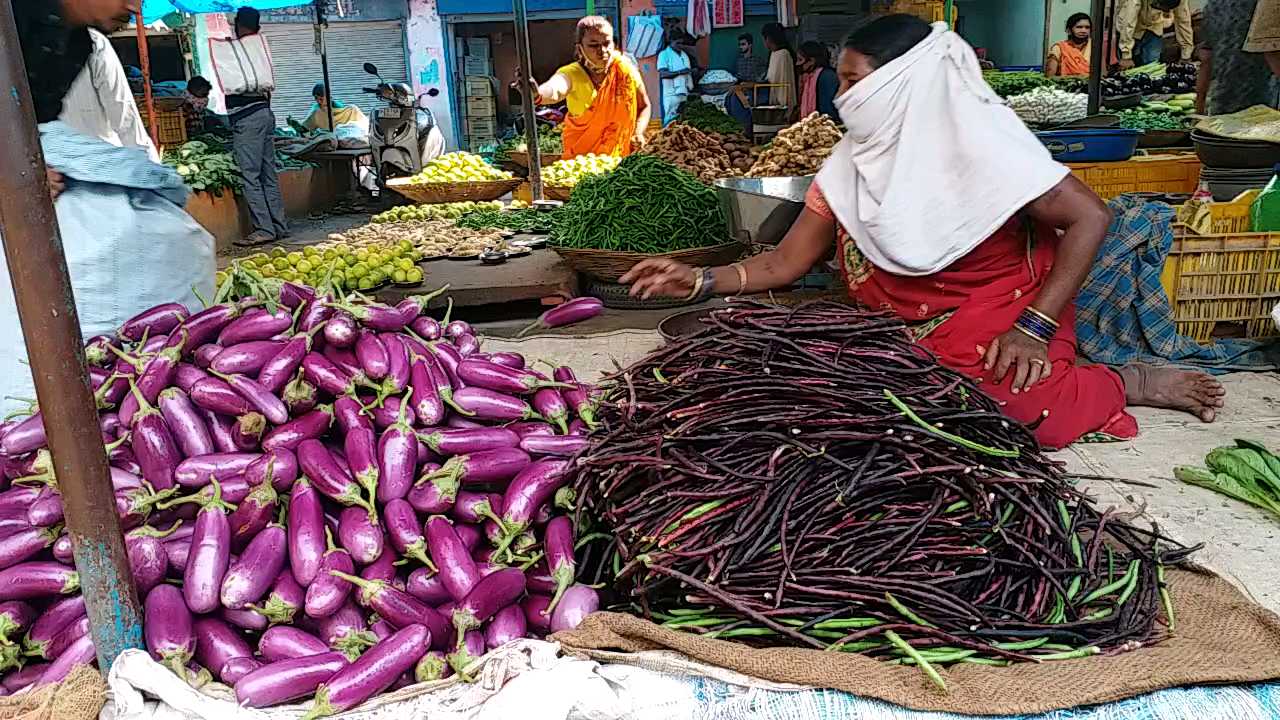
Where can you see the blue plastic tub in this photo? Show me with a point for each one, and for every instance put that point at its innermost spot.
(1091, 145)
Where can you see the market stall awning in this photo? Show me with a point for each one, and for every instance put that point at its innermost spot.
(155, 9)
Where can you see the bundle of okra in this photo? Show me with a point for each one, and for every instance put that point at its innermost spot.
(809, 476)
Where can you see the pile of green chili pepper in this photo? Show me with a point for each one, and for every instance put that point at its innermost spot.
(646, 205)
(520, 220)
(808, 476)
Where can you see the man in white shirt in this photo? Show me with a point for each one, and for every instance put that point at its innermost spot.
(676, 71)
(100, 103)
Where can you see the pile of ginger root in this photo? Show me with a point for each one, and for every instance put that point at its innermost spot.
(798, 150)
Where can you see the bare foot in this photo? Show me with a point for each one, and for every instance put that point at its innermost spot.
(1167, 387)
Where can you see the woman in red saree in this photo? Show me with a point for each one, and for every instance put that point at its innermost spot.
(946, 210)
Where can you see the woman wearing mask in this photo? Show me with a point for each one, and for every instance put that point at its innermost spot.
(608, 106)
(968, 230)
(1071, 56)
(818, 81)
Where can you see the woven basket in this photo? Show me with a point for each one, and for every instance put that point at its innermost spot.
(609, 265)
(428, 193)
(557, 192)
(522, 158)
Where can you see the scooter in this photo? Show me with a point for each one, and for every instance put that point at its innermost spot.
(403, 135)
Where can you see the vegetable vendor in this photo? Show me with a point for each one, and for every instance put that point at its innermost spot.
(1140, 26)
(609, 107)
(343, 114)
(676, 70)
(818, 81)
(1071, 56)
(969, 232)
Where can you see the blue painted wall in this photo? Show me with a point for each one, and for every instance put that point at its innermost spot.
(1011, 30)
(466, 7)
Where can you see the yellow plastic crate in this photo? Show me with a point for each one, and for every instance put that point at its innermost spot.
(1228, 278)
(1227, 217)
(1153, 173)
(928, 10)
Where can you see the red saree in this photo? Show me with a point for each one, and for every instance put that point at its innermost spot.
(978, 298)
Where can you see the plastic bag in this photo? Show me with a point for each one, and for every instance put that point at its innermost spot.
(243, 66)
(644, 35)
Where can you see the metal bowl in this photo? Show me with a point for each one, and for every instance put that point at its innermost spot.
(761, 210)
(683, 324)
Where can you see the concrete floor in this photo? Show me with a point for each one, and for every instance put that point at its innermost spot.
(1240, 542)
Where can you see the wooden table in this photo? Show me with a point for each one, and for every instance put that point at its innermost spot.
(540, 274)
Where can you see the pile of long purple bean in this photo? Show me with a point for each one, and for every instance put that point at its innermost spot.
(321, 496)
(811, 477)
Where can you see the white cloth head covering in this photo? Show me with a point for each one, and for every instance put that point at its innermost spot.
(933, 162)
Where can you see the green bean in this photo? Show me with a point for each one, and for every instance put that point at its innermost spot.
(905, 612)
(914, 654)
(1164, 596)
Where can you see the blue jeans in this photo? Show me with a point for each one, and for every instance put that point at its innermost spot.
(1148, 49)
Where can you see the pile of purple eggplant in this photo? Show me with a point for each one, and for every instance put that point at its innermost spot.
(321, 497)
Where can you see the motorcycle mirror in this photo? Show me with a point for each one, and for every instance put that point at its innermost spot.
(371, 68)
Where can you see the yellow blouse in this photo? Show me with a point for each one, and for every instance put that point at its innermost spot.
(582, 92)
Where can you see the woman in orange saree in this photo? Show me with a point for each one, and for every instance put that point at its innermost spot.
(608, 105)
(945, 210)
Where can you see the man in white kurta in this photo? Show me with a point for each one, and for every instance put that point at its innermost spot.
(100, 103)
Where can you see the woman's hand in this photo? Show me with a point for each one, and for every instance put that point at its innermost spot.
(638, 141)
(57, 183)
(1026, 357)
(659, 276)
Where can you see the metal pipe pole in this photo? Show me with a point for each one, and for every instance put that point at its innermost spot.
(1096, 59)
(144, 59)
(530, 119)
(51, 327)
(321, 23)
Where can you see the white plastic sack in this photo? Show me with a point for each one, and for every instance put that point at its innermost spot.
(1275, 315)
(129, 245)
(353, 134)
(644, 35)
(243, 65)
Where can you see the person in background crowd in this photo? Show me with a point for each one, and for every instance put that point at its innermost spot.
(818, 81)
(342, 112)
(100, 103)
(609, 108)
(1071, 56)
(676, 70)
(747, 68)
(195, 106)
(1140, 26)
(985, 268)
(1231, 79)
(782, 65)
(1264, 34)
(253, 127)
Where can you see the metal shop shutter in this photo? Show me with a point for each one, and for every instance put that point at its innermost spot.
(350, 45)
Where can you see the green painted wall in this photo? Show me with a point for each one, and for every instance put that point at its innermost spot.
(1011, 30)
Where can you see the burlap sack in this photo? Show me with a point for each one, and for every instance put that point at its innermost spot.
(1222, 637)
(79, 697)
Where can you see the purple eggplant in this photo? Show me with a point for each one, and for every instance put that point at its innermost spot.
(341, 330)
(472, 440)
(457, 328)
(197, 471)
(282, 643)
(255, 324)
(509, 359)
(217, 644)
(284, 600)
(578, 602)
(253, 514)
(258, 396)
(80, 652)
(382, 318)
(185, 376)
(317, 463)
(574, 311)
(294, 296)
(247, 357)
(470, 650)
(470, 536)
(326, 376)
(306, 532)
(65, 637)
(177, 552)
(467, 344)
(159, 320)
(349, 412)
(246, 431)
(483, 467)
(371, 353)
(448, 358)
(507, 624)
(565, 446)
(220, 430)
(307, 427)
(550, 404)
(15, 617)
(249, 578)
(24, 437)
(300, 396)
(527, 428)
(361, 448)
(286, 680)
(474, 508)
(536, 613)
(493, 406)
(346, 630)
(425, 585)
(432, 667)
(210, 553)
(204, 355)
(372, 673)
(359, 533)
(426, 327)
(215, 394)
(236, 668)
(280, 466)
(286, 362)
(17, 498)
(399, 365)
(398, 458)
(247, 619)
(168, 628)
(384, 568)
(427, 404)
(148, 561)
(532, 488)
(24, 677)
(500, 378)
(579, 400)
(405, 531)
(97, 351)
(153, 444)
(328, 592)
(45, 511)
(399, 608)
(37, 579)
(458, 571)
(188, 428)
(314, 315)
(388, 412)
(558, 542)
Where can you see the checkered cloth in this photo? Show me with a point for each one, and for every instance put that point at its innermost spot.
(1123, 314)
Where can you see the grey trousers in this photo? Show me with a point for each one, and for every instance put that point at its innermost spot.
(254, 150)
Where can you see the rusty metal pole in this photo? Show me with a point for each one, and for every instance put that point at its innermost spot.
(51, 327)
(530, 118)
(144, 59)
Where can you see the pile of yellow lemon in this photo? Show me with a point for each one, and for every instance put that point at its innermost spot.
(568, 173)
(458, 167)
(435, 211)
(346, 266)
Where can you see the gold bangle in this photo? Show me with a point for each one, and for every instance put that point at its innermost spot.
(742, 277)
(1030, 334)
(1042, 316)
(697, 284)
